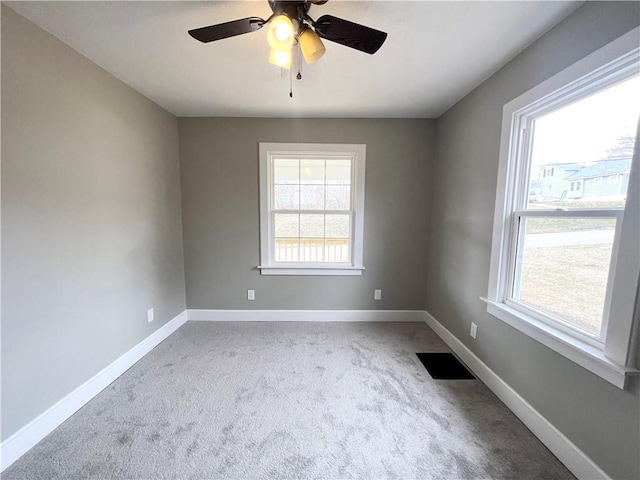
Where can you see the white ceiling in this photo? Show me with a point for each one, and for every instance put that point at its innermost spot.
(435, 54)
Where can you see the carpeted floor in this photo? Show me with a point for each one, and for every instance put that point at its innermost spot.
(290, 400)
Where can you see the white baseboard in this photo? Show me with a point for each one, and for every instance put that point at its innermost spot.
(26, 438)
(571, 456)
(306, 315)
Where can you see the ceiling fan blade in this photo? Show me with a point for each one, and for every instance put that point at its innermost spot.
(227, 29)
(351, 34)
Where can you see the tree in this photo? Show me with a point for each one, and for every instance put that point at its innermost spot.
(622, 150)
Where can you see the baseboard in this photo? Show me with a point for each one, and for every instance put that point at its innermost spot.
(306, 315)
(28, 436)
(571, 456)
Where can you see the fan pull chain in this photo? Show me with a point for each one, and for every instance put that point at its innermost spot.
(299, 76)
(291, 82)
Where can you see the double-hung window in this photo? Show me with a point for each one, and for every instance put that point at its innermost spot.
(565, 269)
(311, 209)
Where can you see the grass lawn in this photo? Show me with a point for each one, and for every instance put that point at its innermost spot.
(568, 282)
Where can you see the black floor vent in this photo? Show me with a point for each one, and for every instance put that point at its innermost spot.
(444, 366)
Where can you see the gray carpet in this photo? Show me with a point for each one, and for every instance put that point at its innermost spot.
(290, 400)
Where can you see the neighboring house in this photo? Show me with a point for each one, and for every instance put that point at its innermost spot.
(602, 179)
(553, 179)
(605, 178)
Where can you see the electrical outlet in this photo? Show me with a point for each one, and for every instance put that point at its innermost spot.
(377, 294)
(150, 316)
(251, 294)
(474, 330)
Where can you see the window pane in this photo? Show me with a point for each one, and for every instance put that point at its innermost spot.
(338, 197)
(312, 172)
(586, 141)
(338, 172)
(287, 250)
(337, 250)
(287, 225)
(312, 197)
(563, 266)
(311, 225)
(287, 197)
(311, 249)
(286, 171)
(337, 226)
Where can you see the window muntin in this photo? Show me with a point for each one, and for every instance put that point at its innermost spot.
(312, 208)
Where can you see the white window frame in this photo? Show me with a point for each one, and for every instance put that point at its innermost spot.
(597, 181)
(612, 179)
(609, 356)
(268, 265)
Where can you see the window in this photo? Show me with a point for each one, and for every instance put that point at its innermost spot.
(597, 181)
(611, 179)
(311, 209)
(565, 271)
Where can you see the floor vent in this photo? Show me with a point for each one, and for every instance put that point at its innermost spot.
(444, 366)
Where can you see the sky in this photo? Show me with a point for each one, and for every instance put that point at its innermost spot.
(582, 132)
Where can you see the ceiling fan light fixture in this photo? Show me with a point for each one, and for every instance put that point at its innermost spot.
(311, 45)
(280, 58)
(281, 33)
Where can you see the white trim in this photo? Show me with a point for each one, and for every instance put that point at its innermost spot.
(356, 153)
(28, 436)
(588, 356)
(567, 452)
(315, 270)
(306, 315)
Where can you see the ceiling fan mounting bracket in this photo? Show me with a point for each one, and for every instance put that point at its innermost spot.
(295, 10)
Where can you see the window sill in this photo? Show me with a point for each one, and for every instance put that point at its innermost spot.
(585, 355)
(310, 270)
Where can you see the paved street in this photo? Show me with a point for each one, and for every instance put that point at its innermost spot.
(584, 237)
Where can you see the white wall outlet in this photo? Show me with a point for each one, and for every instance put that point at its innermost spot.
(251, 294)
(474, 330)
(150, 316)
(377, 294)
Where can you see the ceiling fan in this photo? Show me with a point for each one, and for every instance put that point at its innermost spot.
(291, 25)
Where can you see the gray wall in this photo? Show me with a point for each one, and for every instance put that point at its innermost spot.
(600, 419)
(219, 165)
(90, 220)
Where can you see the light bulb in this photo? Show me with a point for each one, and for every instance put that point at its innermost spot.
(311, 45)
(281, 33)
(280, 58)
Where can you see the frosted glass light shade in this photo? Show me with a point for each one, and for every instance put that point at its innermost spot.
(311, 45)
(281, 33)
(280, 58)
